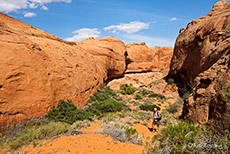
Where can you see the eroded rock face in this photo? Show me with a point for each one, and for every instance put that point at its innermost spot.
(201, 44)
(201, 61)
(37, 69)
(141, 58)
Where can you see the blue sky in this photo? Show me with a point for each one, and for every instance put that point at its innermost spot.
(156, 22)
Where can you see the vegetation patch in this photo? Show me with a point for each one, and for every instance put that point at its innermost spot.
(174, 108)
(227, 92)
(113, 117)
(122, 133)
(149, 107)
(80, 124)
(138, 96)
(104, 101)
(145, 92)
(141, 116)
(183, 137)
(154, 83)
(35, 133)
(127, 89)
(68, 112)
(155, 95)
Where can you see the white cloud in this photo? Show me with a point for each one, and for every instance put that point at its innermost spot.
(33, 5)
(29, 14)
(150, 41)
(131, 27)
(14, 5)
(83, 34)
(173, 19)
(44, 7)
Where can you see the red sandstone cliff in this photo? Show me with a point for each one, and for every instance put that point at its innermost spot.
(37, 69)
(141, 58)
(200, 63)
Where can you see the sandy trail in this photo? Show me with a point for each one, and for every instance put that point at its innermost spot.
(90, 143)
(93, 142)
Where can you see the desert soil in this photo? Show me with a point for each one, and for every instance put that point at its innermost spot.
(93, 142)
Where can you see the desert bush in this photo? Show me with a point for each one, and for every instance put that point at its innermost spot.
(170, 81)
(158, 96)
(112, 117)
(183, 137)
(105, 106)
(122, 133)
(174, 108)
(104, 101)
(175, 138)
(127, 89)
(68, 112)
(149, 107)
(145, 92)
(155, 83)
(17, 152)
(142, 116)
(32, 134)
(80, 124)
(227, 92)
(151, 94)
(138, 96)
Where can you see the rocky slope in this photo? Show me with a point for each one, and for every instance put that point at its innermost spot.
(37, 69)
(141, 58)
(201, 63)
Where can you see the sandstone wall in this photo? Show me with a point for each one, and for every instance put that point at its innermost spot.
(200, 63)
(141, 58)
(37, 69)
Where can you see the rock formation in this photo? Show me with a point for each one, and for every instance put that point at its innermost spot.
(37, 69)
(200, 63)
(141, 58)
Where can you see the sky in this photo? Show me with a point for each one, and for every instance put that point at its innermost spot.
(155, 22)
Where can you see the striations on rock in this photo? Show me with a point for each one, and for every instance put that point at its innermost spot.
(37, 69)
(200, 63)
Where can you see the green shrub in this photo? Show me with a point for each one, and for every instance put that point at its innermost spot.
(105, 106)
(155, 83)
(104, 93)
(122, 133)
(145, 92)
(149, 107)
(155, 95)
(138, 96)
(175, 138)
(227, 90)
(68, 112)
(139, 115)
(183, 137)
(113, 116)
(170, 81)
(104, 101)
(32, 134)
(80, 124)
(127, 89)
(174, 108)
